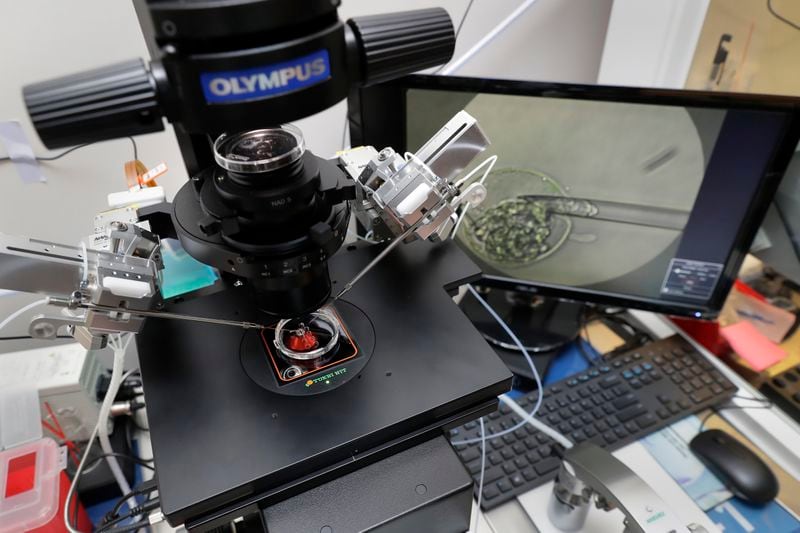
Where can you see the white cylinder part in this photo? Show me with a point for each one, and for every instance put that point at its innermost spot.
(127, 288)
(105, 410)
(414, 200)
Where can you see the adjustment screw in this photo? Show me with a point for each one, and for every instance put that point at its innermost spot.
(169, 28)
(384, 154)
(43, 330)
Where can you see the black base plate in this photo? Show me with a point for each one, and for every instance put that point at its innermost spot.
(221, 441)
(424, 488)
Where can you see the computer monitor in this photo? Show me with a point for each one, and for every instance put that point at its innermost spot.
(643, 198)
(778, 242)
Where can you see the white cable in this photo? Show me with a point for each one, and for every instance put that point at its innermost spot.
(489, 37)
(115, 342)
(78, 472)
(490, 161)
(85, 254)
(527, 418)
(519, 345)
(483, 470)
(21, 311)
(547, 430)
(365, 238)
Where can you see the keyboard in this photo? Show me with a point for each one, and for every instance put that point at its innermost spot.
(612, 404)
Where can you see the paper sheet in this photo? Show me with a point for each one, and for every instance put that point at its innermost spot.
(735, 516)
(20, 151)
(752, 346)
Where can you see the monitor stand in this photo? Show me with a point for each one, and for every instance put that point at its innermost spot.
(543, 325)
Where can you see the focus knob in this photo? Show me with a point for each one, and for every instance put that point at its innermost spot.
(401, 43)
(106, 103)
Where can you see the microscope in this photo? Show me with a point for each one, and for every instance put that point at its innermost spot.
(307, 389)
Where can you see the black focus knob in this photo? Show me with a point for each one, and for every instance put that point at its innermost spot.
(105, 103)
(401, 43)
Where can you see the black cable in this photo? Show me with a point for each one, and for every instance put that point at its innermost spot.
(619, 318)
(78, 147)
(131, 458)
(716, 410)
(585, 340)
(458, 30)
(62, 154)
(781, 17)
(147, 506)
(145, 487)
(765, 401)
(581, 343)
(463, 18)
(93, 464)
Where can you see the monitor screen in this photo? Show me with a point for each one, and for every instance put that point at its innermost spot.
(649, 201)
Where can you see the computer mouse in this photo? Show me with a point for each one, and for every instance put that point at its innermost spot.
(739, 469)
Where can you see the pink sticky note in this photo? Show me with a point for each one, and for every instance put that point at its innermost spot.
(752, 345)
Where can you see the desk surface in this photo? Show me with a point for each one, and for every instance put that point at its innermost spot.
(769, 429)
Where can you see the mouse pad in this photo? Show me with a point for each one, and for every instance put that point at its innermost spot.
(789, 493)
(670, 449)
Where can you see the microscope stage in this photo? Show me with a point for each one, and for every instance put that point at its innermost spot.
(221, 441)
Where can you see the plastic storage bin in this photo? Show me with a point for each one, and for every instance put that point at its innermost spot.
(29, 485)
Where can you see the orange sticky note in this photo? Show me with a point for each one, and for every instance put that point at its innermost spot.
(752, 345)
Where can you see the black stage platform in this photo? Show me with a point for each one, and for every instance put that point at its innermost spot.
(222, 442)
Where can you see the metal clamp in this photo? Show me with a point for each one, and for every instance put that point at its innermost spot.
(588, 470)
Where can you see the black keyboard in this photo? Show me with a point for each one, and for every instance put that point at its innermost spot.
(613, 404)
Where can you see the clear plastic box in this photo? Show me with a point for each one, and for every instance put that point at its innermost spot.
(29, 485)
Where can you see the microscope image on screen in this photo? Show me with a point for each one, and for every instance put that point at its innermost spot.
(580, 185)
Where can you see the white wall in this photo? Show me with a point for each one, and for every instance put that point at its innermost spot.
(554, 40)
(40, 39)
(651, 43)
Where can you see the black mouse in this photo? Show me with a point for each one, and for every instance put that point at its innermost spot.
(739, 469)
